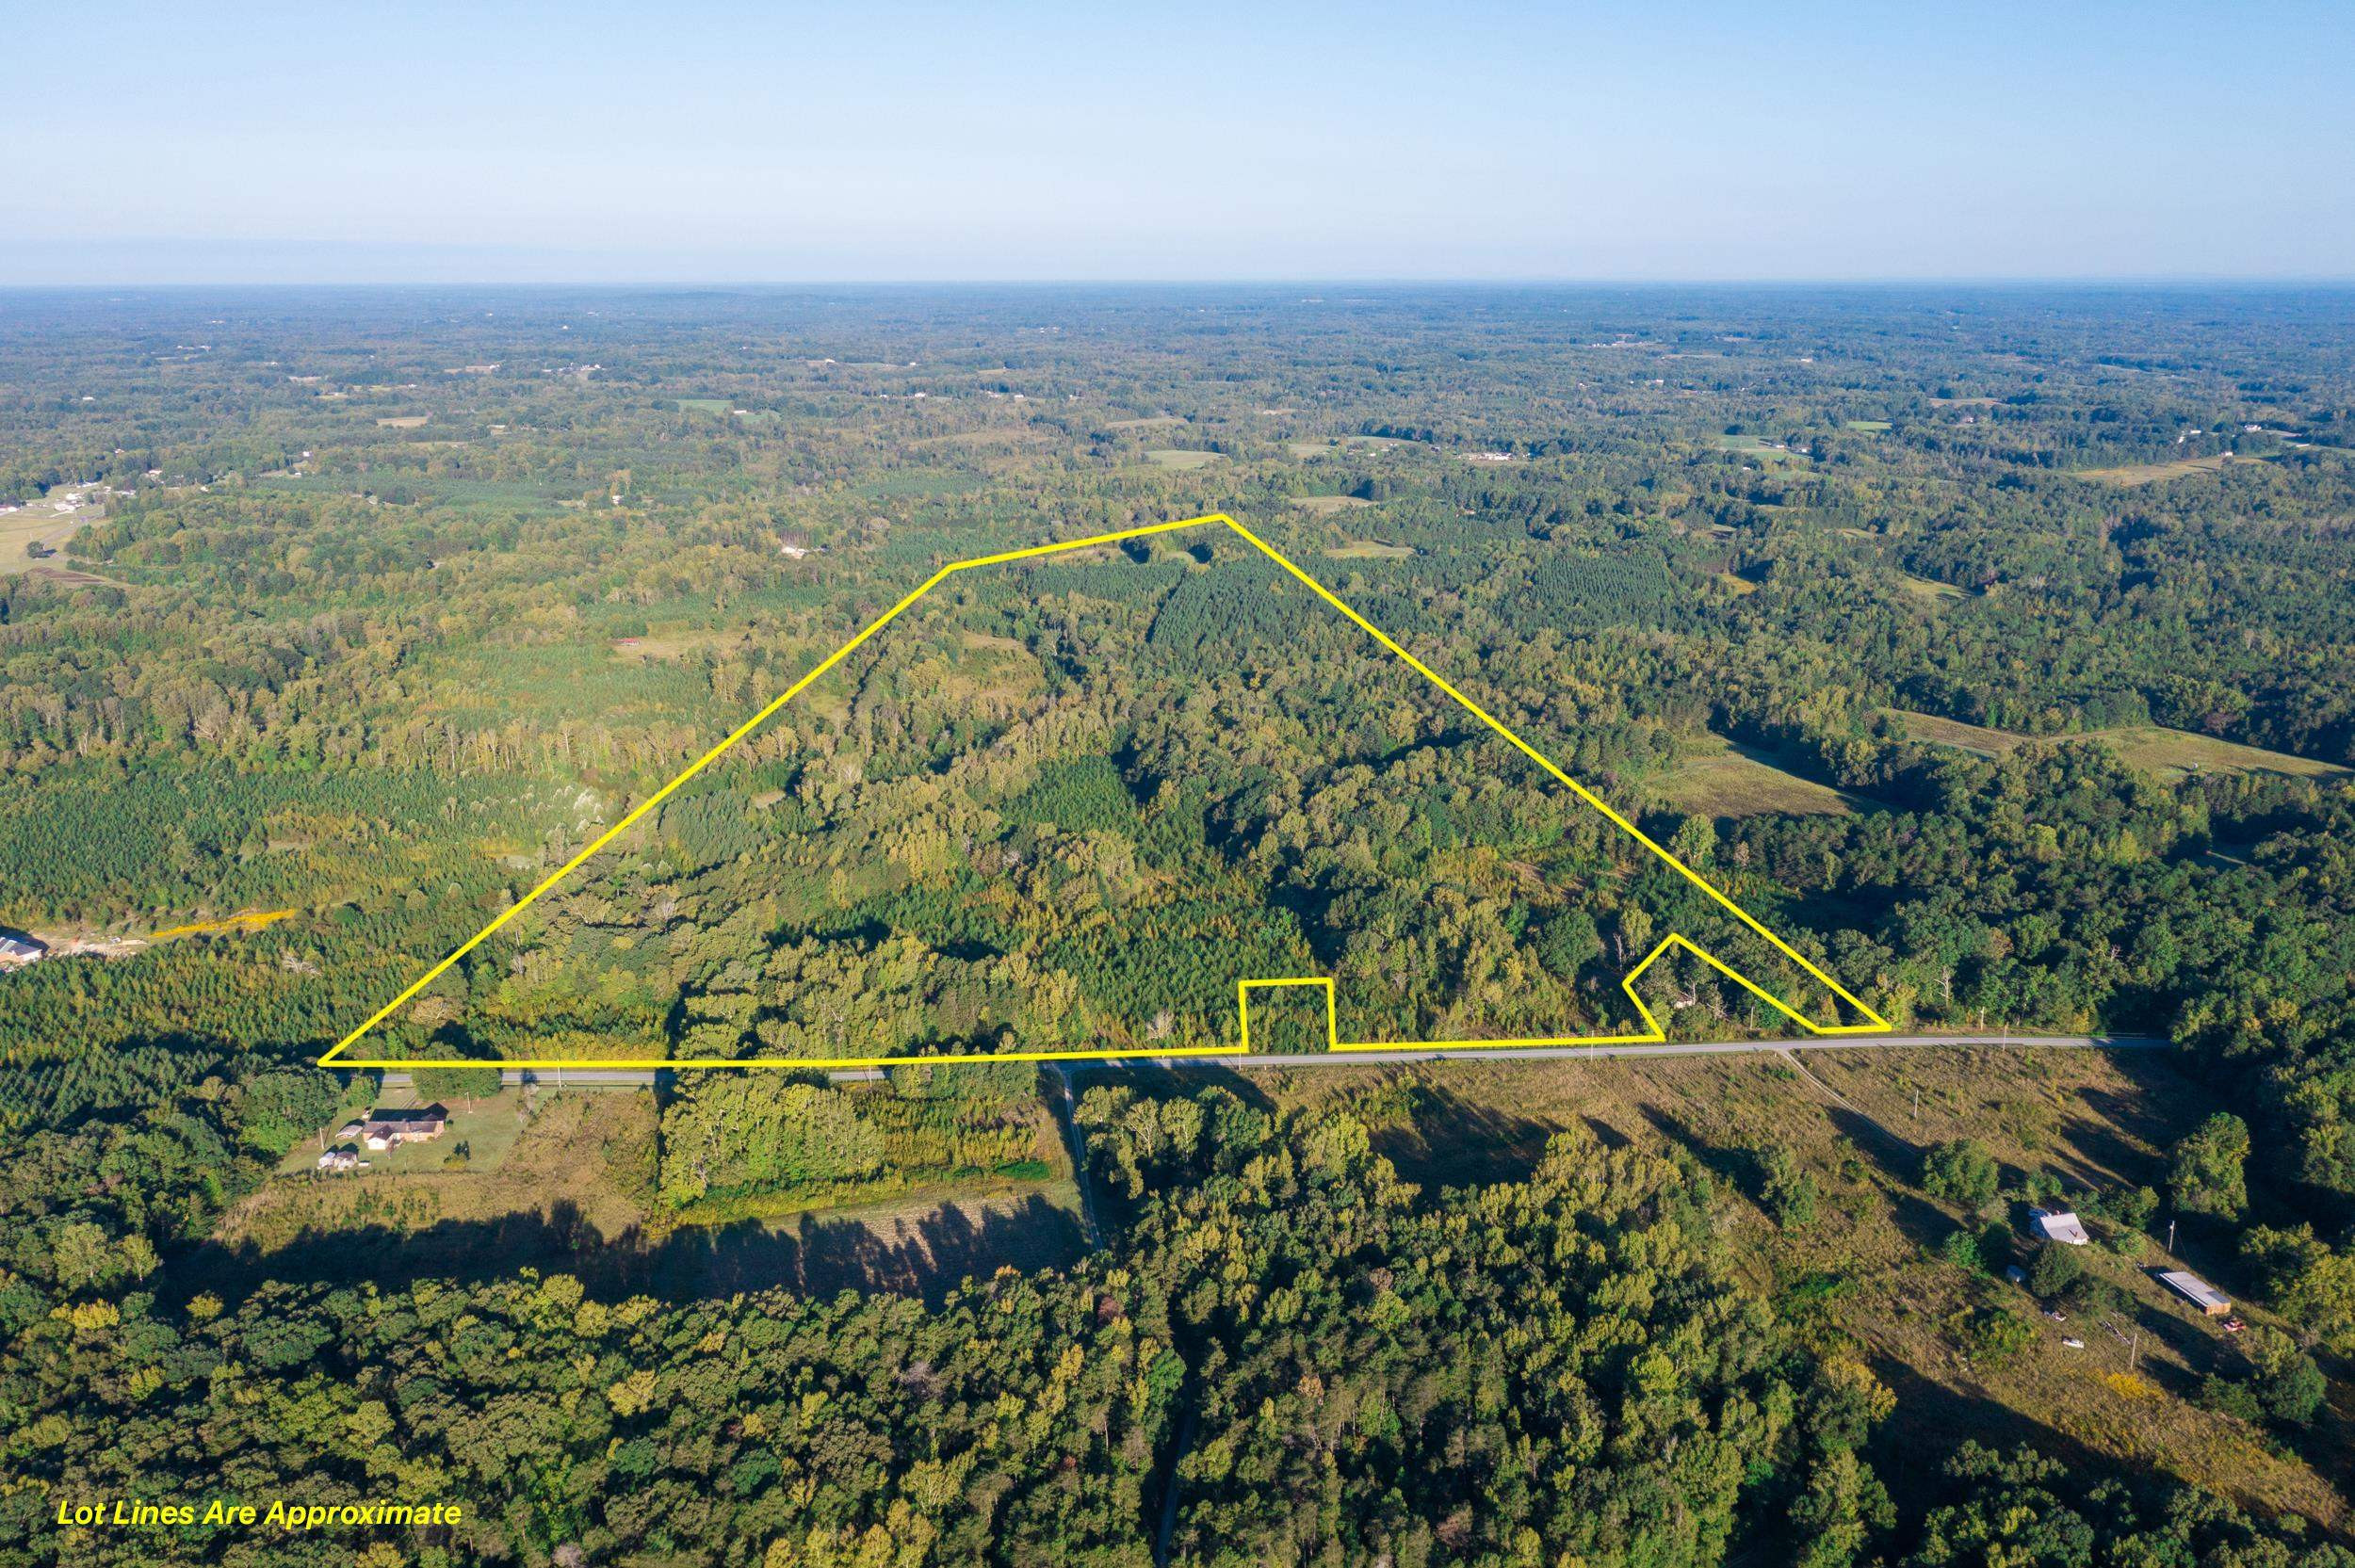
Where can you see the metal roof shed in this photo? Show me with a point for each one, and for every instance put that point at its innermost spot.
(2199, 1292)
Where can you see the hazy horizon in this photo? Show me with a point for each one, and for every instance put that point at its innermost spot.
(727, 144)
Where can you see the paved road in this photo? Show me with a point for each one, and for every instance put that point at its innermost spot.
(628, 1077)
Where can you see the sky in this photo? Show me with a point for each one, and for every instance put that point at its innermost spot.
(197, 142)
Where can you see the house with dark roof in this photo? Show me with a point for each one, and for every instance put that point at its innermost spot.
(390, 1129)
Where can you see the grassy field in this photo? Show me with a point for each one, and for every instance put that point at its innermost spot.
(489, 1130)
(565, 1179)
(573, 1148)
(1763, 451)
(1318, 447)
(1325, 506)
(1728, 780)
(39, 523)
(2129, 474)
(2146, 747)
(2180, 752)
(1152, 422)
(1366, 549)
(1870, 427)
(1179, 458)
(921, 1244)
(705, 405)
(1864, 1273)
(1930, 590)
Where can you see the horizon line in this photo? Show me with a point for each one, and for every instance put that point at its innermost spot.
(2023, 280)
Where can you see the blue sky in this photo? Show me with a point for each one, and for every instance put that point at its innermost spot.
(197, 143)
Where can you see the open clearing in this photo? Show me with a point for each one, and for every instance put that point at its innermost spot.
(1325, 506)
(1930, 589)
(488, 1131)
(1729, 780)
(1318, 447)
(2147, 747)
(1869, 427)
(1179, 458)
(564, 1180)
(39, 523)
(2177, 751)
(575, 1149)
(1152, 422)
(2129, 474)
(1366, 549)
(1865, 1270)
(1764, 451)
(403, 422)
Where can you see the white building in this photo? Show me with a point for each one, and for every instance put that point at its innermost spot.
(2199, 1292)
(2058, 1225)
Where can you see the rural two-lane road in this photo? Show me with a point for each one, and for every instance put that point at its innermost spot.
(624, 1077)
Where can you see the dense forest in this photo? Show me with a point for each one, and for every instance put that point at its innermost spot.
(1995, 648)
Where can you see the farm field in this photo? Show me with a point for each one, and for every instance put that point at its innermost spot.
(1324, 505)
(1366, 549)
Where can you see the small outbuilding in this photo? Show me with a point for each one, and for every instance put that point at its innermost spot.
(2199, 1292)
(2059, 1224)
(16, 950)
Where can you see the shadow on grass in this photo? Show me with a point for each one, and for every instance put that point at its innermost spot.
(1909, 1450)
(924, 1254)
(1455, 1143)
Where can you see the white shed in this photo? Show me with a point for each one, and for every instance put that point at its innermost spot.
(2060, 1225)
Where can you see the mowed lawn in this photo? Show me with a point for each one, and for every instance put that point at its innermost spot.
(2144, 746)
(488, 1130)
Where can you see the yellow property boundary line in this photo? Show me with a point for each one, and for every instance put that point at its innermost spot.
(1654, 1033)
